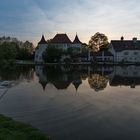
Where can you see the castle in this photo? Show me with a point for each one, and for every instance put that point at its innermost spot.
(61, 41)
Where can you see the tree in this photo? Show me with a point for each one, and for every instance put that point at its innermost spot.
(52, 54)
(12, 48)
(97, 42)
(97, 82)
(8, 51)
(28, 46)
(26, 52)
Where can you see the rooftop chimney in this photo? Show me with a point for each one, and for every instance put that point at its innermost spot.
(135, 40)
(122, 38)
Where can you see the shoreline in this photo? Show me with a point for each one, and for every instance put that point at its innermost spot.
(11, 129)
(82, 63)
(32, 63)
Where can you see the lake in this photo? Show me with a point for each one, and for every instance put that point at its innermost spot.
(74, 102)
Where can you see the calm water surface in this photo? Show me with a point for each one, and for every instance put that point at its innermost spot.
(74, 103)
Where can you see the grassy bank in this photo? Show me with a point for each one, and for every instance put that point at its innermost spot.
(13, 130)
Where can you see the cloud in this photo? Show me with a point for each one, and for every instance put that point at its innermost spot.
(28, 19)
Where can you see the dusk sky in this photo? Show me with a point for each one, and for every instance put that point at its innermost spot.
(28, 19)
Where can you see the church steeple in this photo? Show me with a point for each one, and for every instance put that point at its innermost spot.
(42, 41)
(76, 40)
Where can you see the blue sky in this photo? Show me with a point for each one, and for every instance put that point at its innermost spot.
(28, 19)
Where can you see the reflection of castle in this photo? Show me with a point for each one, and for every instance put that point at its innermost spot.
(42, 78)
(60, 78)
(98, 77)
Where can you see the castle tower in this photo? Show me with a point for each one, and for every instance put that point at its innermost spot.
(40, 49)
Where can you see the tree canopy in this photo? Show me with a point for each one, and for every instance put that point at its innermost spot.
(12, 48)
(52, 54)
(98, 41)
(8, 51)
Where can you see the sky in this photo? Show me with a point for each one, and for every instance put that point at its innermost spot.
(29, 19)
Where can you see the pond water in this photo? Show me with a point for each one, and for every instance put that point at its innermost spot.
(76, 102)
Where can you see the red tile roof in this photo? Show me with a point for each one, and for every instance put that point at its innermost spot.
(61, 38)
(42, 41)
(76, 40)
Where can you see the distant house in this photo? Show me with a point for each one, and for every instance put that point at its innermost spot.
(61, 41)
(125, 50)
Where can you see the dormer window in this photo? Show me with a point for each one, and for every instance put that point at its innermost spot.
(126, 53)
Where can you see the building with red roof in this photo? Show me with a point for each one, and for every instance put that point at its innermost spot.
(40, 49)
(61, 41)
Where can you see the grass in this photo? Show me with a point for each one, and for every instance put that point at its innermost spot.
(13, 130)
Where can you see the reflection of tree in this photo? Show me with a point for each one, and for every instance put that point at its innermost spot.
(16, 73)
(97, 82)
(84, 76)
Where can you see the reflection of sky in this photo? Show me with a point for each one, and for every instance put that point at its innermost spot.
(72, 115)
(29, 18)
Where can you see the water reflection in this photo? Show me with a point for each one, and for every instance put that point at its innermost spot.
(13, 75)
(98, 77)
(16, 73)
(66, 116)
(125, 76)
(62, 77)
(97, 82)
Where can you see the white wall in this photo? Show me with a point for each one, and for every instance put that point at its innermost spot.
(39, 51)
(42, 47)
(128, 56)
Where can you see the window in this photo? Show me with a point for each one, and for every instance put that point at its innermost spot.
(135, 73)
(135, 53)
(126, 53)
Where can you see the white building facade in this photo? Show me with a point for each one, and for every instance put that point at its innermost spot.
(40, 49)
(125, 50)
(60, 41)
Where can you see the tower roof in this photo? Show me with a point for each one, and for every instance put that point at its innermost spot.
(42, 41)
(76, 40)
(61, 38)
(43, 84)
(76, 84)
